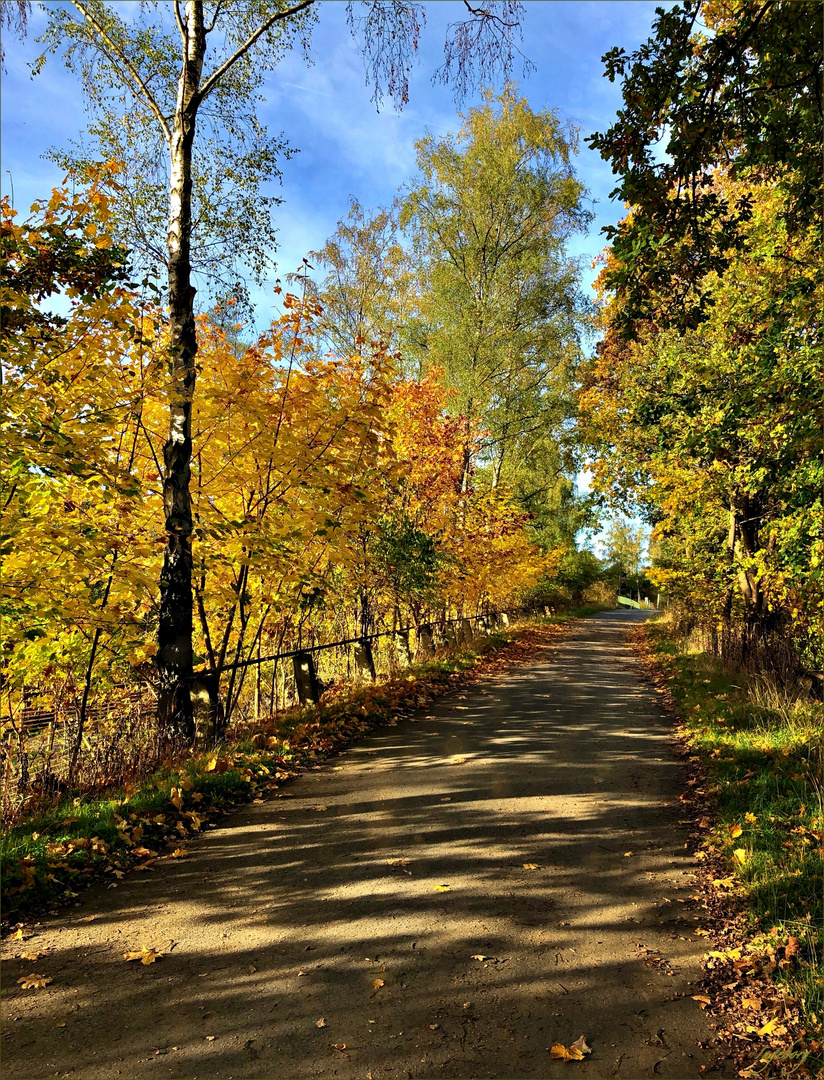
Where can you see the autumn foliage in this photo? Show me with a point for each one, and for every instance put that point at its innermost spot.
(329, 498)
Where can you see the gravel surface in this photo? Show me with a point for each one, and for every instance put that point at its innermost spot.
(449, 898)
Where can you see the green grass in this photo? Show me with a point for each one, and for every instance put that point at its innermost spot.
(761, 746)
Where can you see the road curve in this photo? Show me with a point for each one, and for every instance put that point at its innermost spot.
(449, 898)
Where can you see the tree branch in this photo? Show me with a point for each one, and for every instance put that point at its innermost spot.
(117, 58)
(217, 75)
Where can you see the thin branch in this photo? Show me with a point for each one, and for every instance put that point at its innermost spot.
(180, 23)
(217, 75)
(116, 56)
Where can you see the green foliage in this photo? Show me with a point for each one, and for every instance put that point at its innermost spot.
(762, 748)
(499, 306)
(741, 93)
(129, 69)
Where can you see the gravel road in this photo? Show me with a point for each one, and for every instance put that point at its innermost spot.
(449, 898)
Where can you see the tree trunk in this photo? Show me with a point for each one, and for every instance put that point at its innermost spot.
(174, 658)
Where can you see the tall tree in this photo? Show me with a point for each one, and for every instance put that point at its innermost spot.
(500, 305)
(167, 64)
(730, 84)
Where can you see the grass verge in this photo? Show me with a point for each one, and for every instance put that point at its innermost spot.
(758, 749)
(48, 857)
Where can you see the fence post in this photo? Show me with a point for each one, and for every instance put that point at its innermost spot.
(364, 659)
(425, 645)
(306, 681)
(402, 645)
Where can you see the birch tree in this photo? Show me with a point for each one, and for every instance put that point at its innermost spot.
(178, 68)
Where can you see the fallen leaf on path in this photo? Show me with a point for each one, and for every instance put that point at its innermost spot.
(460, 760)
(209, 1038)
(442, 888)
(434, 1027)
(581, 1044)
(627, 854)
(702, 999)
(179, 853)
(480, 956)
(700, 932)
(321, 1023)
(448, 798)
(87, 918)
(19, 935)
(34, 981)
(340, 1047)
(29, 956)
(772, 1027)
(320, 807)
(566, 1053)
(531, 866)
(399, 862)
(145, 956)
(377, 984)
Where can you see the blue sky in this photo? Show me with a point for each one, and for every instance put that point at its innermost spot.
(348, 148)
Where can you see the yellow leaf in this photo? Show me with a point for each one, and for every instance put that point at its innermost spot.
(179, 853)
(480, 956)
(724, 883)
(321, 1023)
(750, 819)
(735, 831)
(34, 981)
(442, 888)
(751, 1003)
(531, 866)
(771, 1028)
(211, 764)
(377, 984)
(320, 808)
(702, 999)
(29, 956)
(740, 856)
(145, 956)
(566, 1053)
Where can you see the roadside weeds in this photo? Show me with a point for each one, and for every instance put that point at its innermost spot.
(754, 797)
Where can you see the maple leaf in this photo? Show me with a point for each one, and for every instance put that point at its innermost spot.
(321, 1023)
(34, 981)
(179, 853)
(531, 866)
(145, 956)
(566, 1053)
(376, 985)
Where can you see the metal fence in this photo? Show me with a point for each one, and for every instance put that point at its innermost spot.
(118, 740)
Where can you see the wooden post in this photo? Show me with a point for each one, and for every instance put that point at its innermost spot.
(306, 681)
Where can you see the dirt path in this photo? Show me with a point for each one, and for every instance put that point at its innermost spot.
(335, 931)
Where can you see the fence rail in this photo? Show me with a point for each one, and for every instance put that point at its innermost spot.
(45, 751)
